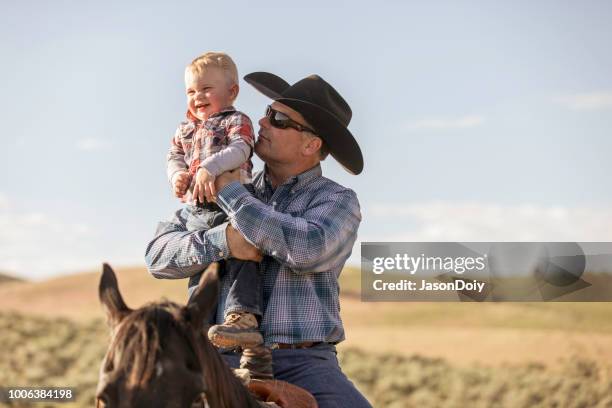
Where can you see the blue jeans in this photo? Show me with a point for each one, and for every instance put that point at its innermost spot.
(202, 218)
(245, 294)
(315, 369)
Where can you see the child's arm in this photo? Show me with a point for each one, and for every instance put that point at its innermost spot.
(176, 167)
(241, 141)
(240, 149)
(227, 159)
(230, 158)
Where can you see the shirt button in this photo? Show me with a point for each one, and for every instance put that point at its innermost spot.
(221, 253)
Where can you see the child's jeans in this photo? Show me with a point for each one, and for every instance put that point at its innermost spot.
(245, 294)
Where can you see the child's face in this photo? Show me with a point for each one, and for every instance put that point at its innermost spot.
(208, 92)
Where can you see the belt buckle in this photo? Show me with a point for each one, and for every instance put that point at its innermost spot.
(293, 346)
(277, 346)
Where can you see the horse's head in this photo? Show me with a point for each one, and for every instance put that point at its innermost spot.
(157, 353)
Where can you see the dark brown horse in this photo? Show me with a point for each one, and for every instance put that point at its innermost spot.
(159, 355)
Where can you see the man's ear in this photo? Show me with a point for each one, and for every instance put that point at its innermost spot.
(312, 145)
(110, 297)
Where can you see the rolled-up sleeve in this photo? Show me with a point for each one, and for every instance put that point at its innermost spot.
(175, 253)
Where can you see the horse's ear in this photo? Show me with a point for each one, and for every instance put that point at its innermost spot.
(110, 297)
(205, 296)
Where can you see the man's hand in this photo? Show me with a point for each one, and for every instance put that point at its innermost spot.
(226, 178)
(180, 183)
(204, 189)
(239, 247)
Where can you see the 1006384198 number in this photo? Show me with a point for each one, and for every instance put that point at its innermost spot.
(57, 394)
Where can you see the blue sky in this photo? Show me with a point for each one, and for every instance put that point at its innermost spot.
(478, 120)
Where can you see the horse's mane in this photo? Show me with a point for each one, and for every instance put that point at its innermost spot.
(143, 334)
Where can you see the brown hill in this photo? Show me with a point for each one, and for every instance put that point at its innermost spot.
(76, 296)
(5, 278)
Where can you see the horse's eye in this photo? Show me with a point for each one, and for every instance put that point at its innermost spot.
(192, 365)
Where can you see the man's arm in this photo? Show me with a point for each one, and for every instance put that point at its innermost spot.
(176, 253)
(318, 240)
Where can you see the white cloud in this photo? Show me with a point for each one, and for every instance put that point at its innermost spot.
(586, 101)
(446, 123)
(481, 222)
(4, 202)
(447, 221)
(92, 144)
(38, 245)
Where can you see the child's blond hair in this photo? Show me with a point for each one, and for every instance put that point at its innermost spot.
(217, 60)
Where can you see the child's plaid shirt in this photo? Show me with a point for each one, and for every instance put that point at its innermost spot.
(198, 144)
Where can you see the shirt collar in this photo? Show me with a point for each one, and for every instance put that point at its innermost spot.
(299, 181)
(192, 118)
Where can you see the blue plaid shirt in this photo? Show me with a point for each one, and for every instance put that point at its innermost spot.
(305, 228)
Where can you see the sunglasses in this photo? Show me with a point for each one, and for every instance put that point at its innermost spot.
(281, 121)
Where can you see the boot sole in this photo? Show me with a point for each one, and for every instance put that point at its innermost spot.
(225, 339)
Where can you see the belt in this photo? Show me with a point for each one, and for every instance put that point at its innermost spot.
(306, 344)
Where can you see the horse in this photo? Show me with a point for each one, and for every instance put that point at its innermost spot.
(159, 356)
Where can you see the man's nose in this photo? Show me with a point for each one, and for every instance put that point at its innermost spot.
(264, 122)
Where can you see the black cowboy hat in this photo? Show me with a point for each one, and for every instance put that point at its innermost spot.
(322, 107)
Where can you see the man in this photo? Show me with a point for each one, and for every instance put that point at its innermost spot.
(298, 224)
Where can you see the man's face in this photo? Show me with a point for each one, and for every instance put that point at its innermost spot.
(280, 146)
(208, 92)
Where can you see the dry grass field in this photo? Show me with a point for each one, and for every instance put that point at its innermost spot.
(399, 354)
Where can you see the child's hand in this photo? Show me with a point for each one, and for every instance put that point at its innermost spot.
(181, 183)
(204, 189)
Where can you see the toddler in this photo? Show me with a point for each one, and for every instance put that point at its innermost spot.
(215, 138)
